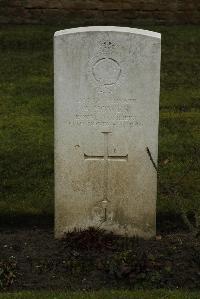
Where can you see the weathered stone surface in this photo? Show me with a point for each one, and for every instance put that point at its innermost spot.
(42, 4)
(10, 3)
(106, 129)
(99, 12)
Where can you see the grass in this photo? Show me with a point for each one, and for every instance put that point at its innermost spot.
(159, 294)
(26, 120)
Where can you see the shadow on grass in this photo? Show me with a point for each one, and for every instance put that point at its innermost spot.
(28, 221)
(167, 222)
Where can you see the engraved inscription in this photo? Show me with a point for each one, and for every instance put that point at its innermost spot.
(106, 46)
(117, 113)
(77, 123)
(106, 71)
(106, 157)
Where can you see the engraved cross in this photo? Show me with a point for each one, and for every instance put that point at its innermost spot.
(106, 157)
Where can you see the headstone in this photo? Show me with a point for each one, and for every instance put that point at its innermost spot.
(107, 83)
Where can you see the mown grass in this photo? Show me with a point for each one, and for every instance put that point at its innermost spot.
(26, 119)
(159, 294)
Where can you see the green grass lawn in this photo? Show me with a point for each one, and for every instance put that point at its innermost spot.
(26, 120)
(105, 295)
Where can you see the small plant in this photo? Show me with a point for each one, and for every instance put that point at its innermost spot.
(190, 216)
(7, 274)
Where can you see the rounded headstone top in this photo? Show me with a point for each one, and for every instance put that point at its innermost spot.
(108, 29)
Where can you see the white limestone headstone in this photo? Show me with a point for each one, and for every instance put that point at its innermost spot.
(107, 82)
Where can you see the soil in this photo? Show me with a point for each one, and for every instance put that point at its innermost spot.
(32, 259)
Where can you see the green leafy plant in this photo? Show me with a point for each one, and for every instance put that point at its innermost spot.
(7, 274)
